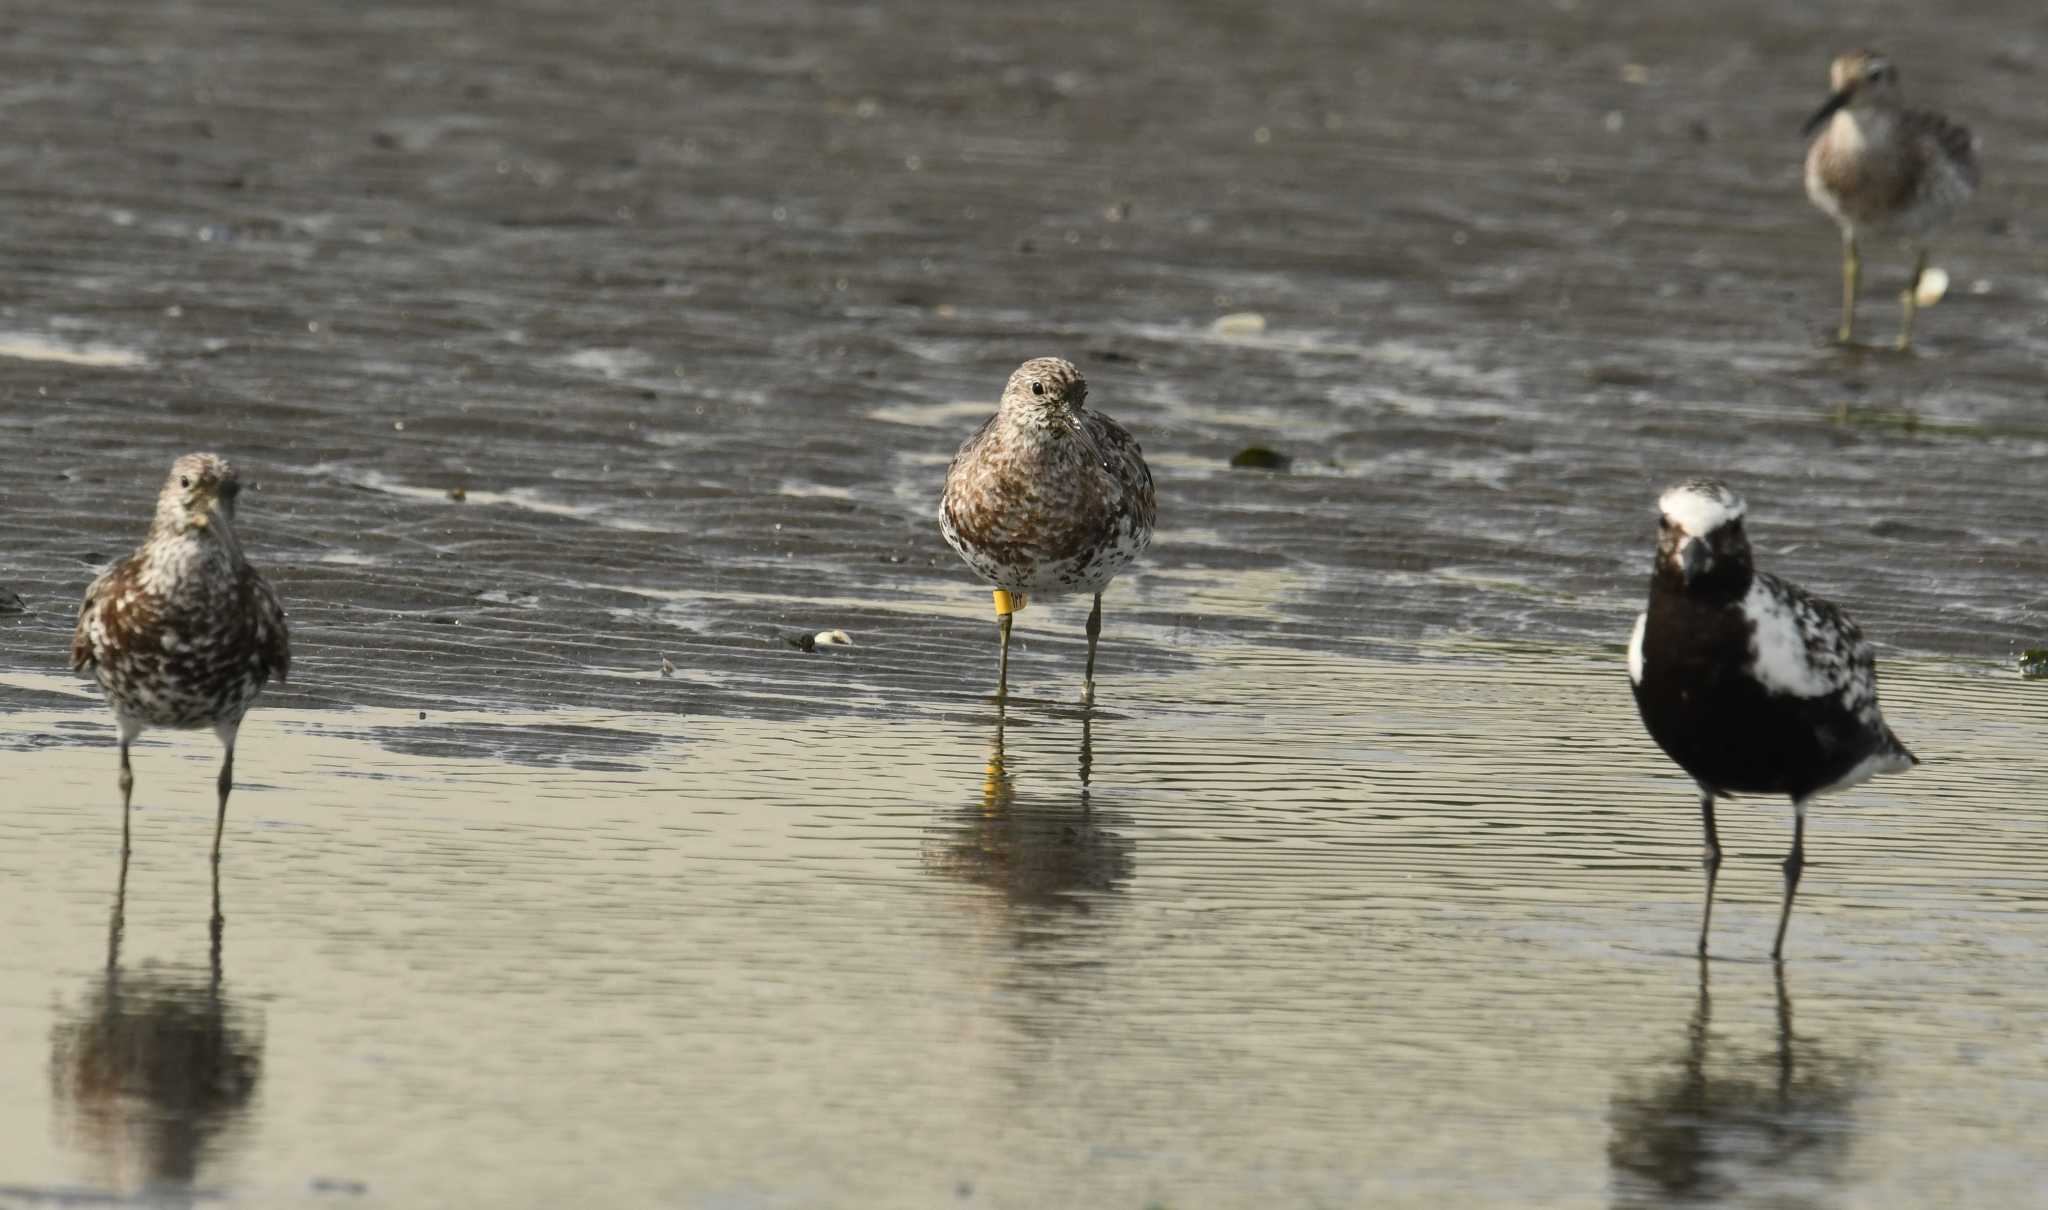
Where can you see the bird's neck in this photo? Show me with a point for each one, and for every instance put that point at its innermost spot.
(172, 559)
(1033, 434)
(1715, 589)
(1860, 125)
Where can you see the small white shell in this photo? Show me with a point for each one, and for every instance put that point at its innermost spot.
(832, 638)
(1933, 284)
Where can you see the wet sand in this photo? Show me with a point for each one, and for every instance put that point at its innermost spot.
(1308, 930)
(695, 308)
(1377, 894)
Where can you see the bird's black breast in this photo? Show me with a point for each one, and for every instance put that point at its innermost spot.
(1704, 706)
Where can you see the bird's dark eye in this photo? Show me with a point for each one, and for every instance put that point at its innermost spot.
(1038, 388)
(184, 481)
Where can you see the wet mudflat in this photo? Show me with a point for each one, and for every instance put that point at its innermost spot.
(693, 306)
(1320, 931)
(565, 337)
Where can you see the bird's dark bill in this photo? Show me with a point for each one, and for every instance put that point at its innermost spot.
(1692, 559)
(1826, 111)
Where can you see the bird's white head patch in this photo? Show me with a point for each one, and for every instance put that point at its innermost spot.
(1700, 506)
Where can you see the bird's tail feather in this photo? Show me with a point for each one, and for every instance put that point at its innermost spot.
(1903, 754)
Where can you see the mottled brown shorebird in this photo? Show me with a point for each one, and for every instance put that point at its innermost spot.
(183, 633)
(1878, 168)
(1047, 498)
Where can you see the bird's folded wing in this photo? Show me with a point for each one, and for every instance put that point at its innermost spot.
(82, 653)
(273, 640)
(1805, 647)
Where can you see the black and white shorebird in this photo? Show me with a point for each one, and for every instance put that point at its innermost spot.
(1751, 684)
(184, 633)
(1879, 168)
(1047, 498)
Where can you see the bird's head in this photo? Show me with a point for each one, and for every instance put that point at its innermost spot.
(199, 495)
(1700, 539)
(1859, 79)
(1047, 392)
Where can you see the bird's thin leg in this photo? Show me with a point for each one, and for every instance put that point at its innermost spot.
(1786, 1062)
(1795, 861)
(1700, 1030)
(1710, 860)
(1094, 633)
(127, 792)
(1003, 661)
(214, 925)
(1852, 265)
(1007, 604)
(1909, 301)
(1087, 756)
(117, 917)
(226, 783)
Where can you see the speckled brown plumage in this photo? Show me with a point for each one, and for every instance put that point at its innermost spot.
(1047, 497)
(1880, 169)
(184, 632)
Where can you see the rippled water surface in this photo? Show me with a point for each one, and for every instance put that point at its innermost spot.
(1283, 930)
(565, 337)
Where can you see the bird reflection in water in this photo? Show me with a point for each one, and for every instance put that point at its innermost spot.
(154, 1066)
(1039, 851)
(1748, 1129)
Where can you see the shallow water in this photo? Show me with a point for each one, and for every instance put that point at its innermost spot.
(1314, 930)
(1361, 885)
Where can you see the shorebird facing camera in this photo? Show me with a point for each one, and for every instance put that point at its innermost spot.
(184, 633)
(1047, 498)
(1880, 169)
(1751, 684)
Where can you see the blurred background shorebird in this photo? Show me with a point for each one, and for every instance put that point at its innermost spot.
(1880, 169)
(1047, 498)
